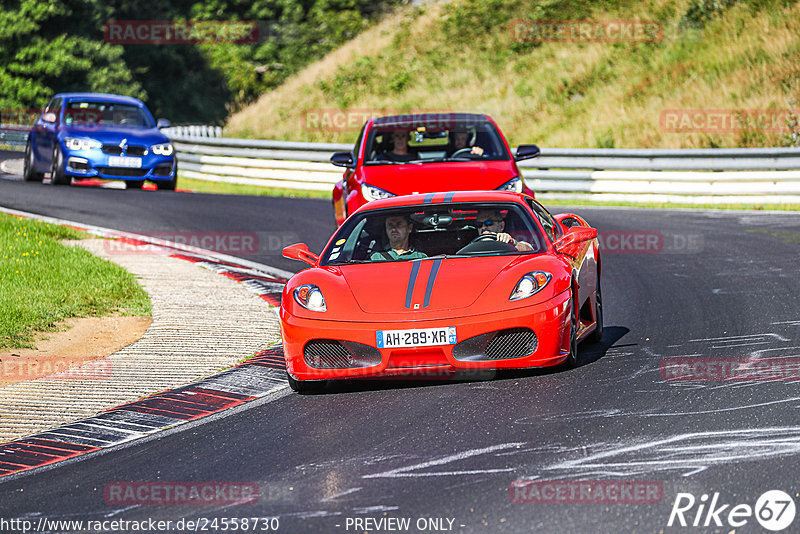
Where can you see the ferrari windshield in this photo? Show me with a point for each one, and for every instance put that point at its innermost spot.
(106, 113)
(415, 232)
(434, 140)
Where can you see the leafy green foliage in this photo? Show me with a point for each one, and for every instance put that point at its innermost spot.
(59, 46)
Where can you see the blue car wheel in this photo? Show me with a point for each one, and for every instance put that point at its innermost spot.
(29, 173)
(57, 174)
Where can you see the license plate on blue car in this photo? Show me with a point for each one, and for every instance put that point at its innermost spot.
(126, 162)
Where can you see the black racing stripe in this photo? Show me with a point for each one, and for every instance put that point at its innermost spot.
(431, 280)
(411, 281)
(428, 198)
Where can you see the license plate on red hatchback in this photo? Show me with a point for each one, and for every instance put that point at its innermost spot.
(416, 337)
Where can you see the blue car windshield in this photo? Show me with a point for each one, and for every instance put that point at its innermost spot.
(106, 114)
(453, 230)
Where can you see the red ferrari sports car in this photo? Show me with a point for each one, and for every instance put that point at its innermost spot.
(442, 282)
(426, 153)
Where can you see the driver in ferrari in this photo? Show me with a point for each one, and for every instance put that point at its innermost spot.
(491, 222)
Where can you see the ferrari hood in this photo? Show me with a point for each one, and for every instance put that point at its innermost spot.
(431, 177)
(433, 284)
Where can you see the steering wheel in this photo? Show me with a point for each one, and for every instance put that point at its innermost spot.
(484, 237)
(468, 151)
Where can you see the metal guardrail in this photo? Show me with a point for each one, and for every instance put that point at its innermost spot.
(193, 130)
(747, 175)
(13, 137)
(741, 175)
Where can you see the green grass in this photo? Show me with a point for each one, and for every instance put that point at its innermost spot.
(671, 205)
(43, 282)
(220, 188)
(201, 186)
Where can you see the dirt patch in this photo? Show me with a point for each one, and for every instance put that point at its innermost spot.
(78, 352)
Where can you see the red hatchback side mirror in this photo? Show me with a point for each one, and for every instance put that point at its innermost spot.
(300, 251)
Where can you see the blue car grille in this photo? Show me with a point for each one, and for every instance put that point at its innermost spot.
(116, 150)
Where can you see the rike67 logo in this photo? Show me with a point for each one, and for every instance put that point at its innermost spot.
(774, 510)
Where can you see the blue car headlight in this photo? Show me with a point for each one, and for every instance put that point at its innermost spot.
(163, 149)
(81, 143)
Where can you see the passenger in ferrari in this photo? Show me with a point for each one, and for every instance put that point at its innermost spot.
(491, 222)
(398, 230)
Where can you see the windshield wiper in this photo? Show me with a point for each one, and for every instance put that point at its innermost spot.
(345, 262)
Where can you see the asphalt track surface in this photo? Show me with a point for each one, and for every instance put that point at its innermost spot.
(697, 284)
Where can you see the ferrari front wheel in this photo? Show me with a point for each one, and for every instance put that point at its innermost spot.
(597, 335)
(572, 356)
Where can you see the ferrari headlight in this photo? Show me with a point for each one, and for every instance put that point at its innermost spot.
(515, 184)
(164, 149)
(310, 297)
(530, 284)
(80, 143)
(371, 192)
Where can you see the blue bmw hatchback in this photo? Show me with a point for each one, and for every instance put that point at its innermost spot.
(95, 135)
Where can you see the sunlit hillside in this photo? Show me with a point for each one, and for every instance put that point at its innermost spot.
(737, 64)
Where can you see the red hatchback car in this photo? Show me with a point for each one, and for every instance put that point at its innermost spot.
(440, 283)
(426, 153)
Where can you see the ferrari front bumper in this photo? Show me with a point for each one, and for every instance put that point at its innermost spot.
(549, 321)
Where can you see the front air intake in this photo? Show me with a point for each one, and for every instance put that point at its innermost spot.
(334, 354)
(498, 345)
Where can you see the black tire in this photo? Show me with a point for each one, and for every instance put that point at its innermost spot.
(572, 356)
(597, 335)
(304, 386)
(29, 173)
(169, 185)
(57, 175)
(134, 184)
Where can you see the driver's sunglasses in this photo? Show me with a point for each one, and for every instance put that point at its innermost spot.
(487, 222)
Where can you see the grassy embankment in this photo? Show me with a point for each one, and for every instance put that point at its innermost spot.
(43, 282)
(464, 56)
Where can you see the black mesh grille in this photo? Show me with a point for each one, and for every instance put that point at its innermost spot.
(499, 345)
(333, 354)
(116, 150)
(327, 354)
(162, 170)
(511, 343)
(121, 171)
